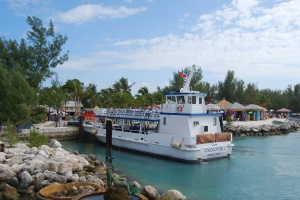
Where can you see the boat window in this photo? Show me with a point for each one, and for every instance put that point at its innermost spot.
(180, 99)
(192, 99)
(171, 99)
(214, 121)
(200, 100)
(205, 128)
(165, 121)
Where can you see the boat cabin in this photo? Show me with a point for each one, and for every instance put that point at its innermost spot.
(184, 102)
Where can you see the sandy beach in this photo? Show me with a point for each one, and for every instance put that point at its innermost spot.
(257, 123)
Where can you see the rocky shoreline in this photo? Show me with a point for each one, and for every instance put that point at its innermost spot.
(24, 171)
(275, 128)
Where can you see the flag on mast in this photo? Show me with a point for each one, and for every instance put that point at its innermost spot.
(183, 74)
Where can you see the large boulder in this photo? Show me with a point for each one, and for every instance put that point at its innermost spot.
(25, 180)
(173, 195)
(10, 193)
(116, 193)
(54, 144)
(150, 192)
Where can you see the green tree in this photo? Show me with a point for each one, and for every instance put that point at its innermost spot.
(45, 47)
(77, 88)
(251, 94)
(158, 96)
(226, 89)
(24, 66)
(91, 94)
(122, 85)
(104, 96)
(16, 97)
(240, 91)
(144, 97)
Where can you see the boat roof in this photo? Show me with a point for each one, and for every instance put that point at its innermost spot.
(130, 118)
(185, 93)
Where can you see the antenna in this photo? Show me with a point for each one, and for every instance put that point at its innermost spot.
(191, 72)
(196, 56)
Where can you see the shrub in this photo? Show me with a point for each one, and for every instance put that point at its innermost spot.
(36, 139)
(10, 134)
(229, 121)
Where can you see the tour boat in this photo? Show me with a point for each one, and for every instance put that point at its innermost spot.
(181, 129)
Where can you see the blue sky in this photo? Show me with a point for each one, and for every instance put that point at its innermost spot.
(146, 41)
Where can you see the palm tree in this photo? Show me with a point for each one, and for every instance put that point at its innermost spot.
(104, 95)
(122, 85)
(76, 87)
(143, 91)
(145, 98)
(91, 93)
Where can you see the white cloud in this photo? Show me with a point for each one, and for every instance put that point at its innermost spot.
(21, 4)
(257, 43)
(84, 13)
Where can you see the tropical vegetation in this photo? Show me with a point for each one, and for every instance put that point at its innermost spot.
(25, 65)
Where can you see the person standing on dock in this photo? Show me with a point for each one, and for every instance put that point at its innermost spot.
(59, 116)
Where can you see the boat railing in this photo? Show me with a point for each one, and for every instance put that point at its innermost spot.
(133, 113)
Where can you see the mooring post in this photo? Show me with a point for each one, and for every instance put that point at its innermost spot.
(80, 129)
(108, 140)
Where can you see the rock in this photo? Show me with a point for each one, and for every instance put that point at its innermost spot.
(28, 168)
(6, 175)
(150, 192)
(10, 193)
(92, 157)
(94, 179)
(82, 179)
(173, 195)
(13, 181)
(76, 153)
(54, 144)
(90, 168)
(116, 193)
(97, 163)
(2, 156)
(38, 178)
(72, 177)
(28, 193)
(54, 177)
(13, 159)
(25, 180)
(4, 167)
(42, 154)
(136, 184)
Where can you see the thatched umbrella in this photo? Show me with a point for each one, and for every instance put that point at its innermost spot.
(223, 104)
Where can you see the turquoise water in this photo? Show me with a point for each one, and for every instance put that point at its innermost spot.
(259, 168)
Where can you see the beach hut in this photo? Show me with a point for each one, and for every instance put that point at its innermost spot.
(283, 113)
(255, 112)
(223, 104)
(237, 112)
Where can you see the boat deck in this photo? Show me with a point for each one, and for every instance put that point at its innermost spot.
(129, 114)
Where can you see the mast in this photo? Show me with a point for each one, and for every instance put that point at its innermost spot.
(186, 85)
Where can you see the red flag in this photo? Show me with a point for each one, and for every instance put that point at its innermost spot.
(182, 74)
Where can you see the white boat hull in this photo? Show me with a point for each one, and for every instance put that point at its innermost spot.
(147, 143)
